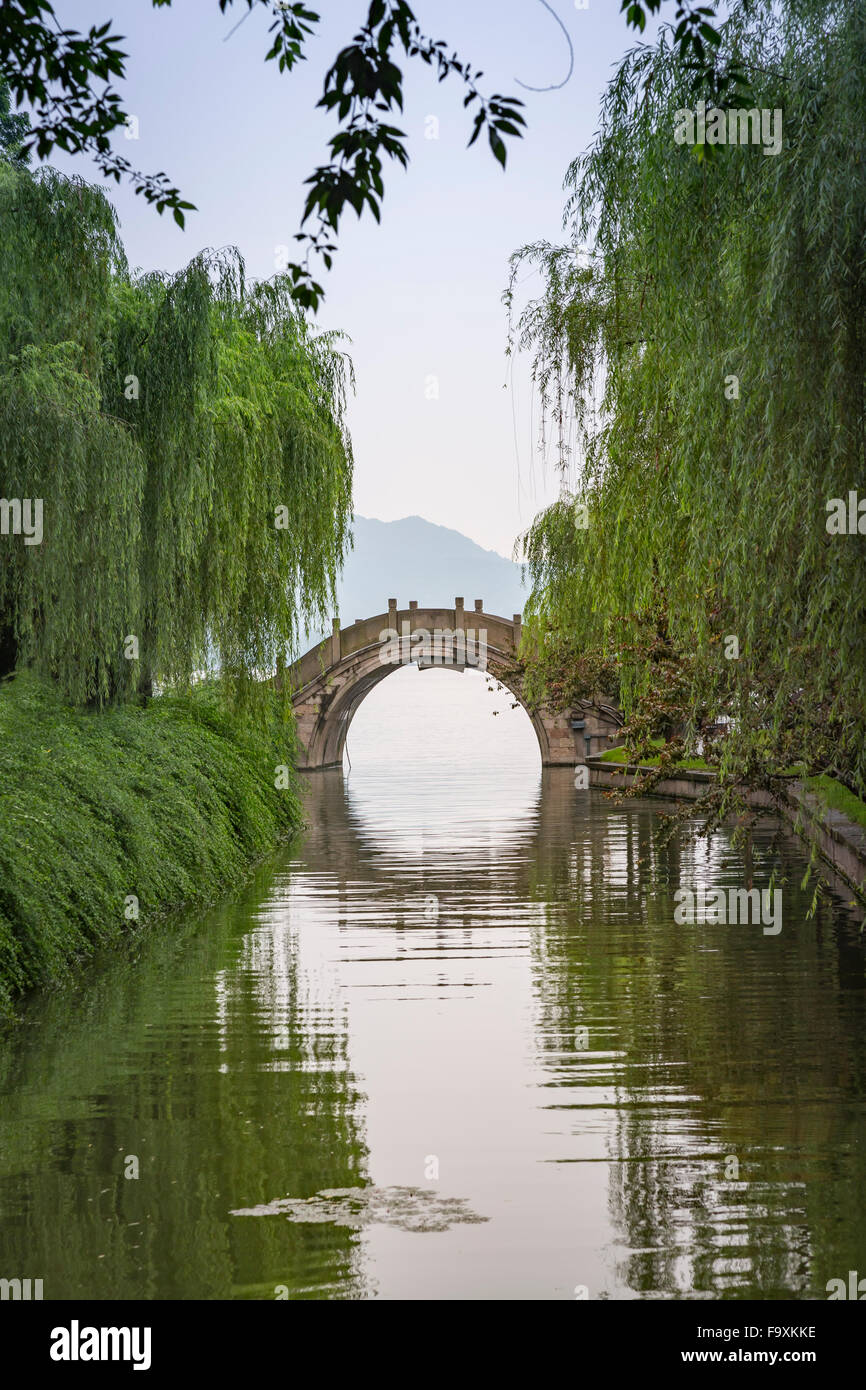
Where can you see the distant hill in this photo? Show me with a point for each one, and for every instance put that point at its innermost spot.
(414, 559)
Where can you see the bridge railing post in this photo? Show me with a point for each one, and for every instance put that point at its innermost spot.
(335, 641)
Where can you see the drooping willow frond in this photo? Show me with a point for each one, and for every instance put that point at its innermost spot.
(167, 422)
(725, 315)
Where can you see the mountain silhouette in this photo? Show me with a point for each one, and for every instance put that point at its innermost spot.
(415, 559)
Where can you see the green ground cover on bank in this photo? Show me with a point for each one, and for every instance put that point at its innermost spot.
(170, 802)
(620, 755)
(832, 793)
(838, 798)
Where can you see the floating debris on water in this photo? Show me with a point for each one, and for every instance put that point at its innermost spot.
(407, 1208)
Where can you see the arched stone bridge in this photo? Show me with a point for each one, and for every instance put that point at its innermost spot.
(331, 679)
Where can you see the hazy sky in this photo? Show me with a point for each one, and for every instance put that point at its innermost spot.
(420, 295)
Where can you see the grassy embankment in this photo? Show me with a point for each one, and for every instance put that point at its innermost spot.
(832, 793)
(619, 755)
(170, 803)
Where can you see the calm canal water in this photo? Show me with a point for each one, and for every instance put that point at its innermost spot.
(460, 1008)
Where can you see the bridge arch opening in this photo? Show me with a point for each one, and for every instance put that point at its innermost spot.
(439, 717)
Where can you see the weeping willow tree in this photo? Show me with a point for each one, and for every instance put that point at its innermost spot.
(185, 437)
(699, 348)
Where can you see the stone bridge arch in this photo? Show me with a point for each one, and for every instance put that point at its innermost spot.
(330, 681)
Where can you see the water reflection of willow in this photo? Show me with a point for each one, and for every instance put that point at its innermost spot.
(729, 1066)
(257, 1102)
